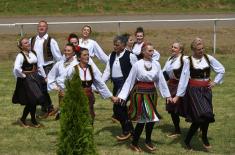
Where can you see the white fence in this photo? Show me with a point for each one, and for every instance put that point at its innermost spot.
(215, 21)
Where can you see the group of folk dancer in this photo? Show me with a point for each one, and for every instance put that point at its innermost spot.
(135, 73)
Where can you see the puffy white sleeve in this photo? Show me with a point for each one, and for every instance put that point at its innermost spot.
(17, 71)
(106, 74)
(218, 68)
(156, 55)
(184, 78)
(133, 59)
(100, 85)
(51, 77)
(100, 53)
(91, 62)
(129, 83)
(55, 50)
(161, 83)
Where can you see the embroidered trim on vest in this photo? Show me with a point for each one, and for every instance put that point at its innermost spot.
(86, 83)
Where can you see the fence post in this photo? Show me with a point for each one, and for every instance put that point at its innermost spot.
(119, 26)
(21, 30)
(214, 37)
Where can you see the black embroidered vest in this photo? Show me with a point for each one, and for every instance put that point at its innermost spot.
(26, 65)
(200, 73)
(177, 72)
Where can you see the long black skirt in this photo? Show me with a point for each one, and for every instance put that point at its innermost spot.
(198, 104)
(177, 108)
(29, 90)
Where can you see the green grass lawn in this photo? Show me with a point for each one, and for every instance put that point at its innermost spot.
(16, 140)
(106, 7)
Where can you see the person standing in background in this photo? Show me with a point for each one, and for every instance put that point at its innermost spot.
(92, 46)
(139, 34)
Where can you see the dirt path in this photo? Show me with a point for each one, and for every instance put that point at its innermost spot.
(114, 27)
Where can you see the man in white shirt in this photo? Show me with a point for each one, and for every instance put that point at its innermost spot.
(48, 53)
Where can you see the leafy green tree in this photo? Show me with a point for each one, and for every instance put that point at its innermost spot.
(76, 136)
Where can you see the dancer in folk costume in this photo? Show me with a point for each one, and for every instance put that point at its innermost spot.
(196, 87)
(141, 84)
(30, 83)
(92, 46)
(57, 75)
(172, 71)
(117, 69)
(89, 76)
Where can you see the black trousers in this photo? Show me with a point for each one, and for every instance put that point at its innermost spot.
(121, 111)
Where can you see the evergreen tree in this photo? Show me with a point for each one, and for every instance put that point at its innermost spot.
(76, 137)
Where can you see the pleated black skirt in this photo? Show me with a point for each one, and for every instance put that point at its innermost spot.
(177, 108)
(29, 90)
(198, 104)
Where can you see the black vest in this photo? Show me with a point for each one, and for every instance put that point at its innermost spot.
(47, 54)
(26, 65)
(177, 72)
(200, 73)
(125, 63)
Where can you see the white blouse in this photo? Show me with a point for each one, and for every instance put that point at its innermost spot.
(116, 70)
(32, 58)
(172, 64)
(97, 81)
(57, 76)
(94, 49)
(139, 73)
(199, 64)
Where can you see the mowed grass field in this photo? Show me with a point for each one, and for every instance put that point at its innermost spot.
(107, 7)
(16, 140)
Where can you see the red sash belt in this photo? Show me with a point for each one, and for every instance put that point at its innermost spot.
(198, 83)
(143, 85)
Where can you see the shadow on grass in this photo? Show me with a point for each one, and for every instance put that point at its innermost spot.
(196, 141)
